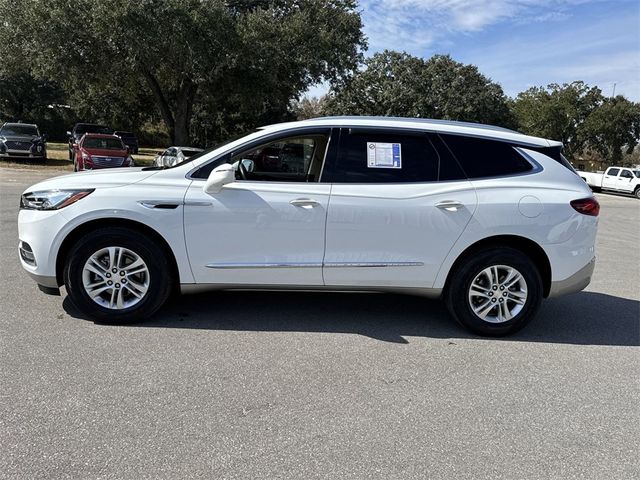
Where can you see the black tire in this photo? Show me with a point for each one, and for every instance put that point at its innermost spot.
(457, 290)
(637, 192)
(159, 274)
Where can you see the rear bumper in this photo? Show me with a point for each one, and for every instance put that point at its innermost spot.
(575, 283)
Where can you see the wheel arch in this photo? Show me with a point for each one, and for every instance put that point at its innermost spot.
(528, 247)
(84, 228)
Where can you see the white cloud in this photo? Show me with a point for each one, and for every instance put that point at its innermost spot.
(412, 24)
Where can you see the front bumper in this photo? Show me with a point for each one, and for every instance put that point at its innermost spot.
(23, 154)
(575, 283)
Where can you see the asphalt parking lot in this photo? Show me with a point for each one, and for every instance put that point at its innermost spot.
(321, 385)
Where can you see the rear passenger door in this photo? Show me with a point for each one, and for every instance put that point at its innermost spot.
(397, 206)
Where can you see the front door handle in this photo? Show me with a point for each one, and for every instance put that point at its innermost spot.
(449, 205)
(305, 203)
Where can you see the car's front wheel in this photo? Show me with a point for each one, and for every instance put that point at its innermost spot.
(495, 292)
(117, 275)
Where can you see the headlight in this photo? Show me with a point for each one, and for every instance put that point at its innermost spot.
(52, 199)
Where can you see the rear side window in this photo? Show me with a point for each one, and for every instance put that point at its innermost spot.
(480, 157)
(372, 156)
(613, 172)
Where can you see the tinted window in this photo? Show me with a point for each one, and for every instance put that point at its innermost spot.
(378, 156)
(480, 157)
(613, 172)
(86, 128)
(626, 174)
(19, 130)
(103, 143)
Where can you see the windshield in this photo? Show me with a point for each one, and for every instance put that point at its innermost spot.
(636, 173)
(103, 143)
(93, 129)
(19, 130)
(190, 153)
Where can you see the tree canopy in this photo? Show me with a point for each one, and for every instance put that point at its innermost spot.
(186, 54)
(398, 84)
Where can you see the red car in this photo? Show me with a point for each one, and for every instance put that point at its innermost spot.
(96, 150)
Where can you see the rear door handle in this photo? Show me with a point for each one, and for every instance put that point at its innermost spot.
(449, 205)
(305, 203)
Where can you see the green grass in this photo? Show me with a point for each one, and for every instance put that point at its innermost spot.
(58, 158)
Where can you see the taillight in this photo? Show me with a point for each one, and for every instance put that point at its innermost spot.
(586, 206)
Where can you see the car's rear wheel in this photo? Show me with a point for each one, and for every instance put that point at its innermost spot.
(496, 292)
(117, 275)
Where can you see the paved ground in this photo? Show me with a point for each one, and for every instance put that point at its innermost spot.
(263, 385)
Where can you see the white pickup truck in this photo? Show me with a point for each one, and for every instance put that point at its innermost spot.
(616, 179)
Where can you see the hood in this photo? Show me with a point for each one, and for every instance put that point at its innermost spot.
(106, 178)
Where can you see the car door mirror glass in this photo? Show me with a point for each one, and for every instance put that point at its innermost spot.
(219, 177)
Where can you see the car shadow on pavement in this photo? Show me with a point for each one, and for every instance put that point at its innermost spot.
(586, 318)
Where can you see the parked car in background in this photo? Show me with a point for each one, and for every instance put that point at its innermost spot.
(488, 219)
(615, 179)
(80, 129)
(95, 151)
(129, 139)
(174, 155)
(22, 140)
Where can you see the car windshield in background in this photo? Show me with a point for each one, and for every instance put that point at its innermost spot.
(93, 129)
(636, 173)
(125, 134)
(103, 143)
(190, 153)
(19, 130)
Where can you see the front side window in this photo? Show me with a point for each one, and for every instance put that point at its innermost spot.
(626, 174)
(294, 159)
(480, 158)
(373, 156)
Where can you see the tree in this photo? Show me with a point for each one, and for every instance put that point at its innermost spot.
(309, 107)
(613, 128)
(398, 84)
(558, 112)
(251, 55)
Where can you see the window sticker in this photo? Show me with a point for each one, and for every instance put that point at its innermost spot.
(384, 155)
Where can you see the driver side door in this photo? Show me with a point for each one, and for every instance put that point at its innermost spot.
(267, 227)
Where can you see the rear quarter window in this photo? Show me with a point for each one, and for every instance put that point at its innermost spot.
(481, 158)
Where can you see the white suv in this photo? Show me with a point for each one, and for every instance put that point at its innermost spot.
(487, 218)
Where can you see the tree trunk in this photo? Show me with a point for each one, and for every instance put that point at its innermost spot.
(161, 101)
(178, 120)
(184, 112)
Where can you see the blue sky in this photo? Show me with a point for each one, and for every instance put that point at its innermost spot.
(518, 43)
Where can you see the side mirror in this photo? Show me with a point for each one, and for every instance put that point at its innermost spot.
(45, 137)
(219, 177)
(160, 153)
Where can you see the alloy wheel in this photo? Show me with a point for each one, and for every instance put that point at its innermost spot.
(497, 294)
(115, 277)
